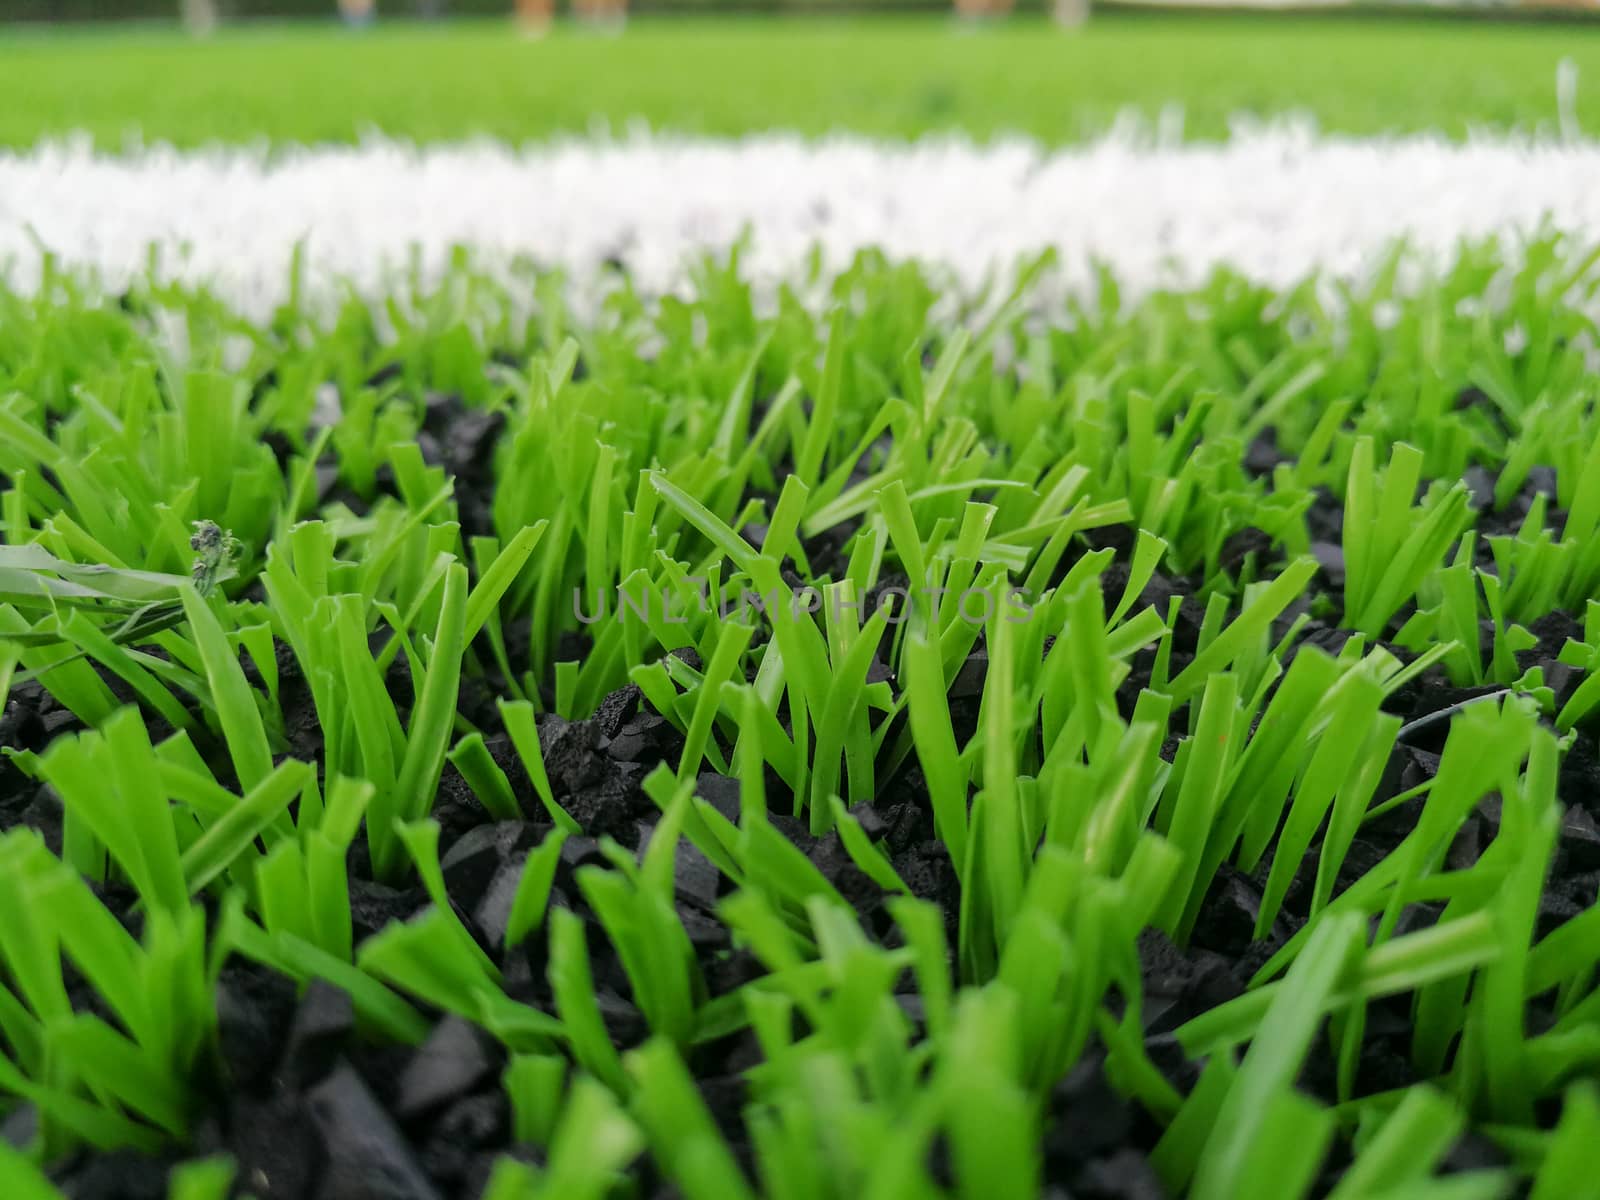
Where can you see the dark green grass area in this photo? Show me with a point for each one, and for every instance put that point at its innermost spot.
(1250, 807)
(888, 76)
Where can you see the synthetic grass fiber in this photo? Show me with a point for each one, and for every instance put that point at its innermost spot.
(881, 743)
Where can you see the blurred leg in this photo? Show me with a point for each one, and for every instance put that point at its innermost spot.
(1071, 13)
(357, 12)
(609, 13)
(533, 17)
(199, 16)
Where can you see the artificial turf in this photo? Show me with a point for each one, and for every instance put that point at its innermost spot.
(853, 748)
(893, 76)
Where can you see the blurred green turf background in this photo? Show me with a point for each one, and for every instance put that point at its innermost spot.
(887, 76)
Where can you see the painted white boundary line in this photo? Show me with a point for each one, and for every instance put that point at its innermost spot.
(1276, 203)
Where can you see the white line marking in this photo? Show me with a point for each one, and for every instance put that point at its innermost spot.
(1276, 203)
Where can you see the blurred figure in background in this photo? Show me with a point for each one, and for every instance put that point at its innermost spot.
(357, 12)
(1070, 13)
(533, 17)
(199, 16)
(982, 10)
(609, 14)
